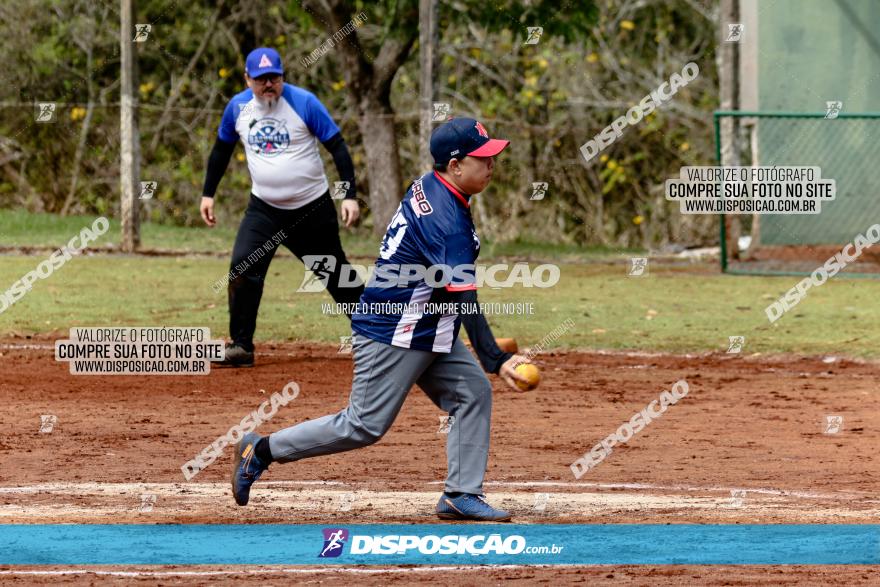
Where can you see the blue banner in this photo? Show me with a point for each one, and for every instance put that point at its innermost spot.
(438, 544)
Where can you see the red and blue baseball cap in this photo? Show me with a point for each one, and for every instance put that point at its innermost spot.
(460, 137)
(262, 61)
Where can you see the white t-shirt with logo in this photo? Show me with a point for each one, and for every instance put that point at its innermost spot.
(281, 144)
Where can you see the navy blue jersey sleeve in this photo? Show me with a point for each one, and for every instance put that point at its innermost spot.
(227, 132)
(319, 120)
(442, 235)
(455, 251)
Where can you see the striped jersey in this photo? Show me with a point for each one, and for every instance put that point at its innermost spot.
(432, 228)
(281, 144)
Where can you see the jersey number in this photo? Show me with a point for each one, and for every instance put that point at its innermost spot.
(393, 236)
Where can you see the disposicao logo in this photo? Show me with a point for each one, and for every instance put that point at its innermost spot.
(334, 540)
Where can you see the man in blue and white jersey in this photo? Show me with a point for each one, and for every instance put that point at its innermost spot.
(280, 126)
(426, 257)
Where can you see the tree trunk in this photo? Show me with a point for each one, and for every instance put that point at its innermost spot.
(428, 41)
(728, 77)
(129, 138)
(369, 88)
(376, 123)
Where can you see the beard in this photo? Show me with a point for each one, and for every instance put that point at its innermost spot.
(268, 101)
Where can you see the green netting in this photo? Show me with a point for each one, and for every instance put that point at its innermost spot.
(846, 148)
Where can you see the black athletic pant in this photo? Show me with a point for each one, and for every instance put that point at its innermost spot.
(310, 230)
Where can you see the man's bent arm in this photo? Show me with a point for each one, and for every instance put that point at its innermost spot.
(344, 165)
(218, 161)
(479, 332)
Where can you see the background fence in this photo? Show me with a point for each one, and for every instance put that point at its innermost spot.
(846, 148)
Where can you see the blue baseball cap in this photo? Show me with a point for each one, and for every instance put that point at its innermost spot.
(262, 61)
(463, 136)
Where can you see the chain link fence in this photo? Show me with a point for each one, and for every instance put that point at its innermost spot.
(847, 148)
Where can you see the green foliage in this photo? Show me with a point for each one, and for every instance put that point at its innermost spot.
(592, 61)
(570, 20)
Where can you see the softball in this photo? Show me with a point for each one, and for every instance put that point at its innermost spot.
(531, 373)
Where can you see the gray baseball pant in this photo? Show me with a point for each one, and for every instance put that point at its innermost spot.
(383, 375)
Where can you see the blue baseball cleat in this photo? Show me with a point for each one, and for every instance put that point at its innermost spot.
(469, 507)
(246, 468)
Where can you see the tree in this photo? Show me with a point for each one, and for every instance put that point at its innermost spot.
(369, 81)
(129, 137)
(369, 87)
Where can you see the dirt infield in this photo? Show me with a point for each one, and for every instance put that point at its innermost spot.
(596, 575)
(748, 444)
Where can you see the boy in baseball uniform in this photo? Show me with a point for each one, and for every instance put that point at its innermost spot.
(398, 342)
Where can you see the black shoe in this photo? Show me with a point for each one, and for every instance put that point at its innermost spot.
(237, 356)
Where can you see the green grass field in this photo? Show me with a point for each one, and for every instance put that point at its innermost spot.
(670, 310)
(24, 229)
(674, 309)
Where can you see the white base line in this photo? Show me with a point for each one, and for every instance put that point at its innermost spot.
(63, 486)
(299, 571)
(649, 486)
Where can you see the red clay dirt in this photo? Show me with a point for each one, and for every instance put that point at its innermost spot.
(748, 423)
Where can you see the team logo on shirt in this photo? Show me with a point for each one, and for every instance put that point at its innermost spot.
(419, 202)
(268, 136)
